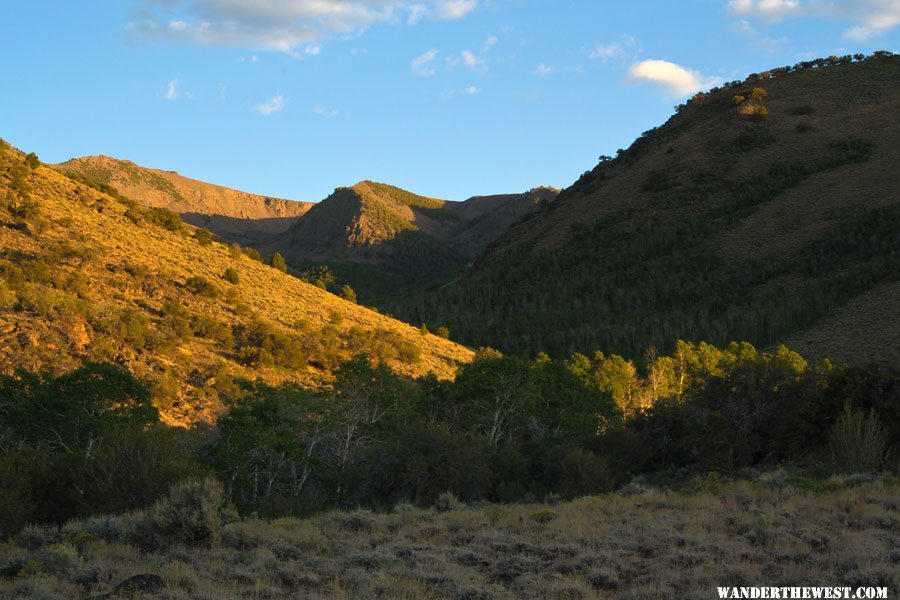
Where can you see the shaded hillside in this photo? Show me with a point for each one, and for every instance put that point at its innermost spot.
(85, 277)
(402, 238)
(233, 215)
(766, 210)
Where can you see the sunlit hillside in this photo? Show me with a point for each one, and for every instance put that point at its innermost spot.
(84, 276)
(401, 240)
(233, 215)
(766, 210)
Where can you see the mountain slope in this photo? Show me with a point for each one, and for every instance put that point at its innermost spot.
(86, 277)
(233, 215)
(413, 239)
(751, 214)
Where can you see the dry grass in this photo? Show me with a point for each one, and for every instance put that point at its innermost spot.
(646, 545)
(88, 219)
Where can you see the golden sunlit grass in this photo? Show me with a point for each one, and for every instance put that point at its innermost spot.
(126, 266)
(649, 544)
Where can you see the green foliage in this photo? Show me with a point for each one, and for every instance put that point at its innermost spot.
(857, 442)
(32, 161)
(443, 332)
(654, 279)
(231, 276)
(164, 218)
(211, 328)
(74, 411)
(347, 293)
(202, 287)
(507, 429)
(755, 137)
(203, 236)
(190, 514)
(278, 263)
(320, 276)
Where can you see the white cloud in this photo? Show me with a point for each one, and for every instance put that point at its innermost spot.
(675, 79)
(768, 9)
(326, 112)
(473, 62)
(276, 104)
(416, 13)
(472, 90)
(172, 92)
(613, 50)
(450, 10)
(423, 65)
(870, 18)
(543, 70)
(313, 50)
(278, 25)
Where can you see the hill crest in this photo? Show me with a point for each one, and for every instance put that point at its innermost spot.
(84, 277)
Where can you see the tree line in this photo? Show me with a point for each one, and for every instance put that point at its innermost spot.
(507, 429)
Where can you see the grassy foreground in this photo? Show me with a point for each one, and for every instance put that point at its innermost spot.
(639, 543)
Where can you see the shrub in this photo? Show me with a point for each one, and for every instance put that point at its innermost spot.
(447, 502)
(7, 296)
(231, 276)
(164, 218)
(207, 327)
(253, 254)
(176, 319)
(544, 516)
(755, 137)
(32, 160)
(759, 113)
(857, 441)
(408, 352)
(443, 332)
(278, 263)
(190, 514)
(348, 294)
(758, 94)
(202, 287)
(203, 237)
(583, 473)
(133, 327)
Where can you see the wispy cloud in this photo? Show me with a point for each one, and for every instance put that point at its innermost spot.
(762, 42)
(172, 92)
(326, 112)
(676, 80)
(869, 18)
(417, 12)
(423, 65)
(543, 70)
(276, 104)
(472, 90)
(279, 25)
(615, 49)
(450, 10)
(469, 60)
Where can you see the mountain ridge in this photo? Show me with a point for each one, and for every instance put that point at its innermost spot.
(756, 212)
(232, 214)
(85, 276)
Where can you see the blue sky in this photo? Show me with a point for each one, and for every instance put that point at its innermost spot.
(448, 98)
